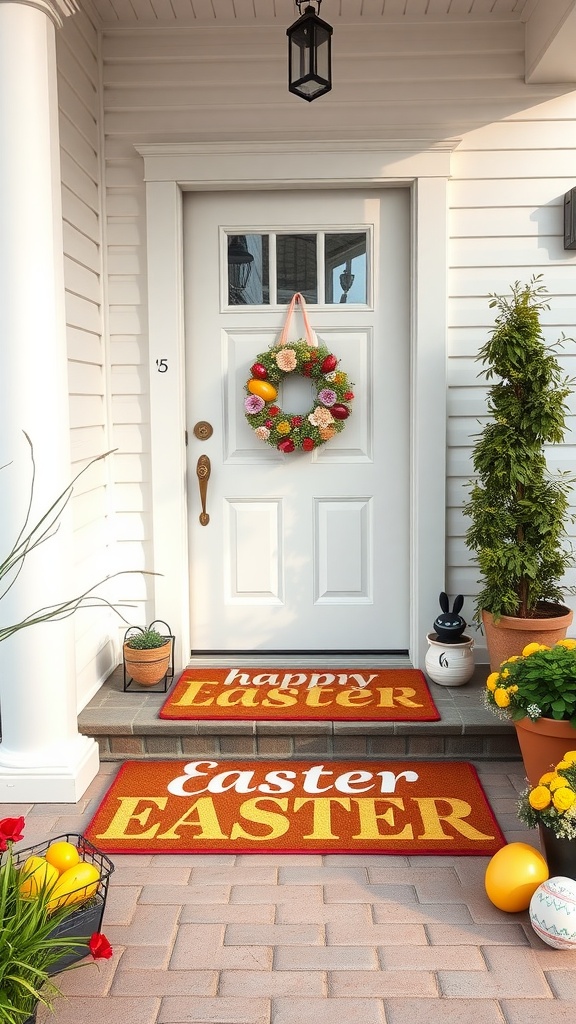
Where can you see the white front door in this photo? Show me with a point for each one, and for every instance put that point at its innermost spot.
(303, 551)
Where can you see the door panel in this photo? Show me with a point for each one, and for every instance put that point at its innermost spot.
(307, 551)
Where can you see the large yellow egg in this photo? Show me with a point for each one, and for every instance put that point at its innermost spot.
(513, 875)
(37, 876)
(263, 389)
(62, 855)
(76, 885)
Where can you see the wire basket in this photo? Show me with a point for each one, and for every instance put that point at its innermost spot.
(87, 919)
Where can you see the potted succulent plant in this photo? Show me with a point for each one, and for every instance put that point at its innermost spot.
(148, 653)
(550, 805)
(519, 511)
(31, 939)
(537, 691)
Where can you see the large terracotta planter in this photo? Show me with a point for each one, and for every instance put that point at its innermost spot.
(510, 635)
(543, 743)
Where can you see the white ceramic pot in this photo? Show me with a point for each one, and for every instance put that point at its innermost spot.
(449, 664)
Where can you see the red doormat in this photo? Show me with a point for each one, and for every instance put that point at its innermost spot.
(388, 807)
(306, 694)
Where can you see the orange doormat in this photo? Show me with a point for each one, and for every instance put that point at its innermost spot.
(388, 807)
(340, 695)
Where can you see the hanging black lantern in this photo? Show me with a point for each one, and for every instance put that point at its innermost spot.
(309, 54)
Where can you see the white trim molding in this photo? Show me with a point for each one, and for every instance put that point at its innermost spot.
(56, 10)
(170, 170)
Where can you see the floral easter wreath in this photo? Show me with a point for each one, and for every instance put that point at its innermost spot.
(331, 407)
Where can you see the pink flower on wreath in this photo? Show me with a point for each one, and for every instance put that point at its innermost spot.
(268, 424)
(263, 433)
(348, 396)
(253, 403)
(286, 359)
(296, 421)
(327, 396)
(274, 410)
(321, 417)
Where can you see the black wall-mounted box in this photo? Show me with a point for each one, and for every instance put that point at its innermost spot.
(570, 219)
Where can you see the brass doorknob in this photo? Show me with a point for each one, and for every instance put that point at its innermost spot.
(203, 469)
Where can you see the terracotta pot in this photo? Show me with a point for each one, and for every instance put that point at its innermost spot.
(510, 635)
(543, 743)
(560, 854)
(148, 667)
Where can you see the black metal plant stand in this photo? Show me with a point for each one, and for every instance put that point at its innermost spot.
(163, 684)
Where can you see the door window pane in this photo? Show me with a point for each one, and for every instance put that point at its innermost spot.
(296, 267)
(345, 258)
(248, 270)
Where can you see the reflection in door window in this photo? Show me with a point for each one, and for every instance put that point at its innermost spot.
(248, 270)
(345, 262)
(296, 267)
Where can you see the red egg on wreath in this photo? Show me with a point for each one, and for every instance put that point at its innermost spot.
(284, 430)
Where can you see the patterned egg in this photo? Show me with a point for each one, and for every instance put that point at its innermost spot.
(340, 412)
(329, 363)
(263, 389)
(553, 912)
(259, 371)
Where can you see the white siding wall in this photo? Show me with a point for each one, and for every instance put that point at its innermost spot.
(79, 100)
(442, 81)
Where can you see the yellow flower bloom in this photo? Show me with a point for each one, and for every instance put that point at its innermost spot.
(504, 673)
(546, 778)
(501, 697)
(492, 680)
(562, 764)
(530, 649)
(558, 782)
(568, 642)
(564, 798)
(283, 427)
(539, 798)
(513, 657)
(570, 757)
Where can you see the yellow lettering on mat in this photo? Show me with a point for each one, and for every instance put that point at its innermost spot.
(117, 829)
(252, 810)
(193, 688)
(322, 814)
(458, 810)
(369, 819)
(202, 815)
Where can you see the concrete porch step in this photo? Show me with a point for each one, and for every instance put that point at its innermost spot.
(126, 726)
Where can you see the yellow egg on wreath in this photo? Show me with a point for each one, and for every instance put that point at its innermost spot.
(513, 875)
(263, 389)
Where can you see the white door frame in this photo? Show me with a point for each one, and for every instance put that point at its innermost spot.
(169, 170)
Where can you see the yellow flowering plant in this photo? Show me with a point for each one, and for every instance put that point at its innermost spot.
(541, 682)
(552, 803)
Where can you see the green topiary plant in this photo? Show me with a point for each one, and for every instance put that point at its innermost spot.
(519, 510)
(146, 639)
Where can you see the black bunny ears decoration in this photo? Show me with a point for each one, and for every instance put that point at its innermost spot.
(450, 625)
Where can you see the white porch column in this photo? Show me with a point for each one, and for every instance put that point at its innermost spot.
(42, 756)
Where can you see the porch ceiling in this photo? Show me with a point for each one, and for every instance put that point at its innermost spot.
(550, 25)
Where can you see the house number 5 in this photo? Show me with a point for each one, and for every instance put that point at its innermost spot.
(162, 365)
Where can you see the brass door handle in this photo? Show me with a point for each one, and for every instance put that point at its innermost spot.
(203, 474)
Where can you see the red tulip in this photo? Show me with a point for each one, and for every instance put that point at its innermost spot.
(330, 363)
(99, 947)
(11, 831)
(340, 412)
(286, 446)
(259, 371)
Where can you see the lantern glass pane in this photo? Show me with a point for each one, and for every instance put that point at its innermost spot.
(296, 263)
(248, 278)
(345, 261)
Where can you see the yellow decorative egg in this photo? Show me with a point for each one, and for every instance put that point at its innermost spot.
(263, 389)
(513, 875)
(76, 885)
(37, 876)
(62, 855)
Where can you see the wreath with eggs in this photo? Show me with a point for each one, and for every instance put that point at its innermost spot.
(284, 430)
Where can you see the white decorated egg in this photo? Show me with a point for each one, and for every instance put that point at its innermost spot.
(553, 912)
